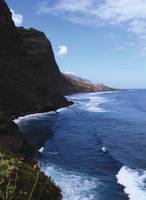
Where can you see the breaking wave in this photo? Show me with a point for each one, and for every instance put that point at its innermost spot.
(74, 186)
(134, 183)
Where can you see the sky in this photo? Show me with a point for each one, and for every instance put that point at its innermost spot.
(101, 40)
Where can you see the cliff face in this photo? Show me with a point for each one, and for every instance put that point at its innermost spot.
(8, 34)
(28, 76)
(25, 86)
(12, 140)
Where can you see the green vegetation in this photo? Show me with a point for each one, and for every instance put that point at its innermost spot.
(20, 180)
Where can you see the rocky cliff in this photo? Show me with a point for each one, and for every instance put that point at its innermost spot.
(28, 78)
(28, 71)
(25, 86)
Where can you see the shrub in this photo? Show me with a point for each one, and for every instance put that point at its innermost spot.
(20, 180)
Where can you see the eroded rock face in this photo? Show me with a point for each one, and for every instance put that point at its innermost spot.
(12, 139)
(8, 33)
(28, 71)
(27, 68)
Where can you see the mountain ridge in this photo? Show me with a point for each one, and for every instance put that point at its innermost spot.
(86, 85)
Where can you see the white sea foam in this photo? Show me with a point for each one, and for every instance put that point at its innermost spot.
(74, 186)
(94, 104)
(62, 109)
(105, 149)
(90, 101)
(134, 183)
(39, 115)
(31, 116)
(53, 153)
(41, 150)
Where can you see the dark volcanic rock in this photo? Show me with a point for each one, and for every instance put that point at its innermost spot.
(12, 139)
(28, 71)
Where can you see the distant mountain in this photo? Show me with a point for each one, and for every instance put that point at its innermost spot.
(84, 85)
(77, 78)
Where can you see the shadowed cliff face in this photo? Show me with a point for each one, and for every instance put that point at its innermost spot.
(28, 71)
(8, 35)
(12, 140)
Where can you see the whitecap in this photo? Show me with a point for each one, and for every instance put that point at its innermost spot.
(105, 149)
(94, 104)
(41, 150)
(53, 153)
(74, 186)
(134, 183)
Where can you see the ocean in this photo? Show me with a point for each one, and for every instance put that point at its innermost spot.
(97, 148)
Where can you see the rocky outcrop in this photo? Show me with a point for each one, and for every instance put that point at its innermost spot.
(12, 139)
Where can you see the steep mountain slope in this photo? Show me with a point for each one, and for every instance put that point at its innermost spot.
(28, 71)
(28, 77)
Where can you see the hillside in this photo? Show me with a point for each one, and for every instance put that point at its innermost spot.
(84, 85)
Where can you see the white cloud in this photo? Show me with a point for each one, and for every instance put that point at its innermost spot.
(63, 50)
(17, 18)
(130, 13)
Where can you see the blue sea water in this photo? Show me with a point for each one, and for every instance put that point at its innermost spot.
(98, 146)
